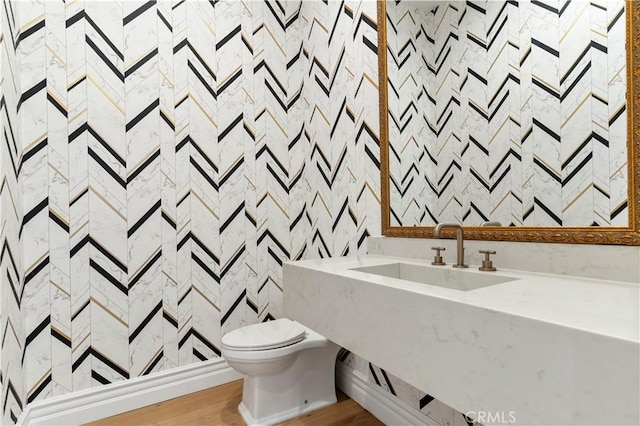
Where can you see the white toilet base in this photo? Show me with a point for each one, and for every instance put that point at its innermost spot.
(282, 416)
(308, 384)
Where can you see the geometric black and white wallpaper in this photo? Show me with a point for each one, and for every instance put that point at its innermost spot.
(160, 161)
(512, 111)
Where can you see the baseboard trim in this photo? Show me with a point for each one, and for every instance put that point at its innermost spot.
(386, 407)
(105, 401)
(117, 398)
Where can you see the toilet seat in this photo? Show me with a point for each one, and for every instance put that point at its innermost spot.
(265, 336)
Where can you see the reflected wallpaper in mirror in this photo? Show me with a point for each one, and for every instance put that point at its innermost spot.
(507, 111)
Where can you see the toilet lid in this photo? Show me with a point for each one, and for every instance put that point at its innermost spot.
(267, 335)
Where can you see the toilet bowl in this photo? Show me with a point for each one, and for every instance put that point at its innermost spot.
(289, 370)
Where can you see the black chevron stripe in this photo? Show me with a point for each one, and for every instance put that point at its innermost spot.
(233, 216)
(274, 240)
(82, 358)
(546, 48)
(280, 101)
(155, 362)
(203, 155)
(497, 34)
(228, 37)
(115, 367)
(544, 128)
(106, 275)
(205, 268)
(139, 11)
(145, 269)
(619, 209)
(10, 389)
(75, 18)
(343, 208)
(156, 309)
(41, 85)
(224, 178)
(143, 219)
(230, 127)
(280, 22)
(56, 104)
(545, 6)
(206, 249)
(106, 145)
(152, 106)
(104, 58)
(547, 170)
(235, 304)
(504, 174)
(134, 174)
(575, 82)
(37, 391)
(95, 244)
(101, 379)
(102, 35)
(201, 79)
(44, 204)
(14, 291)
(107, 168)
(230, 81)
(58, 221)
(84, 306)
(65, 340)
(203, 173)
(232, 261)
(170, 319)
(577, 169)
(23, 35)
(206, 342)
(146, 58)
(169, 220)
(547, 210)
(35, 333)
(26, 156)
(164, 21)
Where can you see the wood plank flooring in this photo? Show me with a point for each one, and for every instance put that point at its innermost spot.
(219, 406)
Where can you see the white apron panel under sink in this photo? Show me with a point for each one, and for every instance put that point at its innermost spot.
(552, 349)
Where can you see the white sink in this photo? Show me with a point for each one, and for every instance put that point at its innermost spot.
(440, 276)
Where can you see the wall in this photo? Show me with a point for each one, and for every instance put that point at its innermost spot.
(508, 111)
(170, 156)
(12, 274)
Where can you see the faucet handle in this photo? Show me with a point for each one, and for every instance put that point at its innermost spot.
(487, 264)
(437, 258)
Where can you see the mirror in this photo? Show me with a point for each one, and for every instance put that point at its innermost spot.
(529, 126)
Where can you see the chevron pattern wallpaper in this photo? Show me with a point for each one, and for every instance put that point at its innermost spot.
(506, 110)
(160, 161)
(12, 274)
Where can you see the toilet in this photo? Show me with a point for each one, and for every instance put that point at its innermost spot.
(289, 370)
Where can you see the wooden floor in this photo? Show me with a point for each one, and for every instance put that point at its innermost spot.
(219, 406)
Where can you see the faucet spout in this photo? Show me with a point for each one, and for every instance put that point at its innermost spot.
(459, 240)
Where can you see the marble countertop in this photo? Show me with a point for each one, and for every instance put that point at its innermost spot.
(611, 308)
(554, 349)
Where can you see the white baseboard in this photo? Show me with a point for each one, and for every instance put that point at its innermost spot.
(117, 398)
(386, 407)
(105, 401)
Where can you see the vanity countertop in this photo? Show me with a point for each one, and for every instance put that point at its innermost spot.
(551, 349)
(611, 308)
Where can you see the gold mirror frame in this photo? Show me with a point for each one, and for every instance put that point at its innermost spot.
(578, 235)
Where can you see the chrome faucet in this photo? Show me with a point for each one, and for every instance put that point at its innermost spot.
(459, 239)
(488, 223)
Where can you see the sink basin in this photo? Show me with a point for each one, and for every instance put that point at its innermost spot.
(438, 276)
